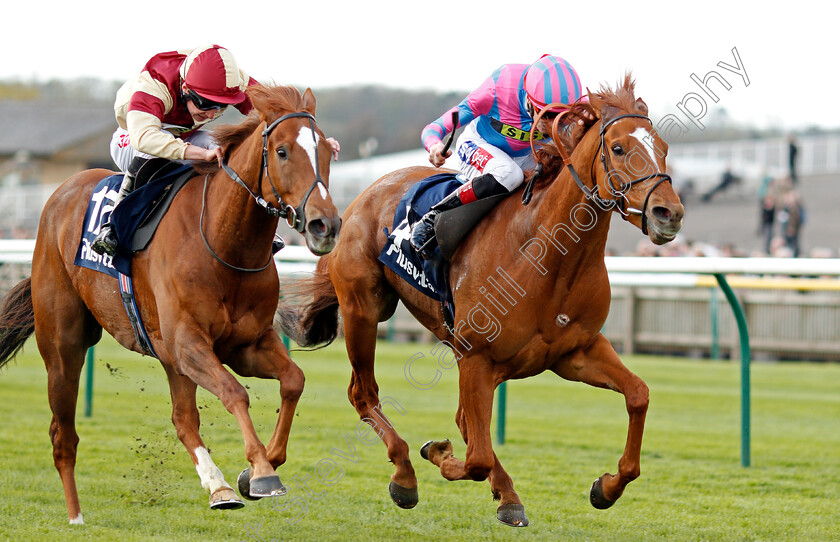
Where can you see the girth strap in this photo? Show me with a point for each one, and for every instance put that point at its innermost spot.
(127, 294)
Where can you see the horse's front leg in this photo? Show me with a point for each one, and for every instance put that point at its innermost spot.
(600, 366)
(195, 359)
(185, 418)
(268, 358)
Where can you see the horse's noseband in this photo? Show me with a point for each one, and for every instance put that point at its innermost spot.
(295, 216)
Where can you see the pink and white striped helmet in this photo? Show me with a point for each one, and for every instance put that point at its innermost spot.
(551, 80)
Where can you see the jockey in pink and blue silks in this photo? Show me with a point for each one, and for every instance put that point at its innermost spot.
(494, 148)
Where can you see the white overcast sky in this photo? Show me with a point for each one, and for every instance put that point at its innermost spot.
(789, 54)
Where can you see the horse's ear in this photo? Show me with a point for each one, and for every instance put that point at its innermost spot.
(595, 102)
(641, 106)
(309, 101)
(605, 112)
(258, 96)
(608, 113)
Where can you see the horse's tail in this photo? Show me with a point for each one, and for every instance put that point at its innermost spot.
(314, 320)
(17, 320)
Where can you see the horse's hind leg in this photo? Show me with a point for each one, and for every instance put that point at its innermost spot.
(64, 330)
(185, 418)
(473, 420)
(64, 366)
(600, 366)
(360, 324)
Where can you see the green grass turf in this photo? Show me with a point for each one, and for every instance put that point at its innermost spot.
(136, 481)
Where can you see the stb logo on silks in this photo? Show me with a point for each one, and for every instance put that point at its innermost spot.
(98, 211)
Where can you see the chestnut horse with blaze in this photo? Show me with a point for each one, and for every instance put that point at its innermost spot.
(202, 309)
(556, 299)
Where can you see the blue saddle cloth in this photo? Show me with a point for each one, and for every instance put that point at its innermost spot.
(428, 276)
(129, 215)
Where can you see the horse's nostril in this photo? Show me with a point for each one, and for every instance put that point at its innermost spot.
(663, 214)
(317, 228)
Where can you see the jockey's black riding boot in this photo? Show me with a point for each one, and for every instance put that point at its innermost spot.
(106, 241)
(423, 234)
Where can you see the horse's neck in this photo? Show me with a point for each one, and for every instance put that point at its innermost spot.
(230, 212)
(573, 227)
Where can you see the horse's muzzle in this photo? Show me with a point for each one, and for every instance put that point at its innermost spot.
(664, 222)
(322, 233)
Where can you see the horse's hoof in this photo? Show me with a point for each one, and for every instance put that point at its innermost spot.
(513, 515)
(424, 450)
(267, 486)
(596, 495)
(243, 483)
(225, 499)
(403, 497)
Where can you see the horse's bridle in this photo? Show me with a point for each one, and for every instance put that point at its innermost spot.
(620, 202)
(295, 216)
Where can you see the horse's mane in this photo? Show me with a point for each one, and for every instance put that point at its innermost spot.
(622, 98)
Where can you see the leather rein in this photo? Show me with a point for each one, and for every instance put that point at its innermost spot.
(620, 202)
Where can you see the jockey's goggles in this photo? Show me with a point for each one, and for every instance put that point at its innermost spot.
(203, 103)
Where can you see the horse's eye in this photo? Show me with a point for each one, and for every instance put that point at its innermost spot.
(282, 153)
(617, 150)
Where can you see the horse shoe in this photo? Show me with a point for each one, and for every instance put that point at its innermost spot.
(230, 503)
(267, 486)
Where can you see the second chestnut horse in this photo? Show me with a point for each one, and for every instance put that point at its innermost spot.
(530, 288)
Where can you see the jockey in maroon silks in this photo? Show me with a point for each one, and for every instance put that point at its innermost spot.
(161, 111)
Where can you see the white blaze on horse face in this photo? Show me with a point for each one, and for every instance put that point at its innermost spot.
(309, 141)
(646, 139)
(211, 477)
